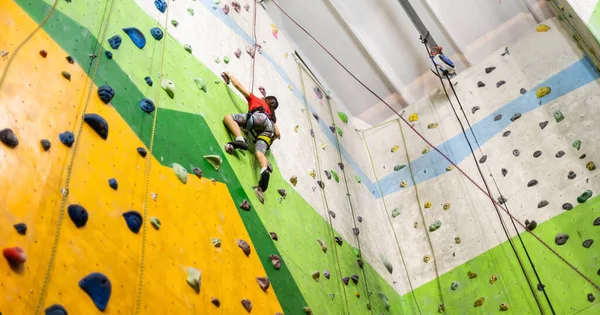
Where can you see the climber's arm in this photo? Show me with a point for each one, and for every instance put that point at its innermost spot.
(277, 134)
(237, 85)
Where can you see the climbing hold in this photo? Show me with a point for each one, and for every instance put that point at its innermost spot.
(504, 172)
(489, 69)
(70, 60)
(543, 124)
(432, 125)
(522, 91)
(78, 215)
(106, 93)
(449, 168)
(413, 117)
(327, 174)
(446, 206)
(115, 42)
(338, 240)
(561, 239)
(55, 309)
(542, 28)
(474, 109)
(596, 223)
(134, 220)
(506, 133)
(147, 105)
(585, 196)
(259, 194)
(201, 84)
(157, 33)
(226, 9)
(457, 240)
(216, 242)
(590, 166)
(15, 256)
(43, 53)
(471, 275)
(436, 225)
(316, 275)
(335, 176)
(543, 91)
(98, 124)
(591, 297)
(516, 152)
(188, 48)
(194, 279)
(493, 279)
(354, 279)
(537, 154)
(108, 54)
(332, 214)
(571, 175)
(275, 261)
(237, 53)
(426, 258)
(321, 184)
(567, 206)
(323, 245)
(197, 172)
(245, 205)
(21, 228)
(45, 143)
(500, 83)
(425, 151)
(174, 23)
(530, 225)
(264, 93)
(244, 246)
(387, 265)
(341, 166)
(587, 243)
(479, 302)
(515, 117)
(148, 81)
(498, 117)
(98, 287)
(343, 117)
(480, 84)
(294, 180)
(427, 205)
(250, 51)
(403, 184)
(358, 179)
(560, 154)
(399, 167)
(483, 159)
(582, 156)
(355, 231)
(214, 160)
(215, 302)
(137, 37)
(532, 183)
(346, 280)
(357, 252)
(359, 218)
(168, 86)
(263, 283)
(339, 131)
(385, 301)
(454, 286)
(180, 172)
(141, 151)
(558, 115)
(66, 75)
(113, 183)
(8, 137)
(155, 223)
(161, 5)
(274, 236)
(502, 200)
(504, 307)
(395, 148)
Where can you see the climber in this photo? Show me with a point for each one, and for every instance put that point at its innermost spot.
(260, 121)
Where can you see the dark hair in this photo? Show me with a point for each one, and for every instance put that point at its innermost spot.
(272, 101)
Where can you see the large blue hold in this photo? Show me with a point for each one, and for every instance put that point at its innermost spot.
(138, 39)
(161, 5)
(106, 93)
(134, 220)
(67, 138)
(115, 42)
(157, 33)
(98, 287)
(56, 309)
(78, 215)
(147, 105)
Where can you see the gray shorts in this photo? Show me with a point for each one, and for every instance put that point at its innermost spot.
(263, 126)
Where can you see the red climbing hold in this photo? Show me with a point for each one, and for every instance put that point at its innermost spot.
(245, 205)
(276, 261)
(244, 246)
(247, 305)
(43, 53)
(274, 236)
(345, 280)
(263, 283)
(225, 78)
(15, 255)
(70, 60)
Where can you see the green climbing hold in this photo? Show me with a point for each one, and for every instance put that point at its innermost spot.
(558, 115)
(190, 11)
(356, 252)
(388, 265)
(155, 223)
(358, 179)
(577, 144)
(436, 225)
(339, 131)
(194, 279)
(343, 117)
(168, 86)
(201, 84)
(585, 196)
(385, 301)
(180, 172)
(335, 176)
(399, 167)
(216, 242)
(217, 59)
(395, 212)
(174, 22)
(226, 60)
(187, 48)
(217, 1)
(214, 160)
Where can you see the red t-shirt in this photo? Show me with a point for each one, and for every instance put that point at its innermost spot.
(255, 102)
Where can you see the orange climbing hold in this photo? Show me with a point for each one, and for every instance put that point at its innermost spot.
(15, 255)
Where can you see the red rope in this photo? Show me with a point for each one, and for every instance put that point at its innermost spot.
(253, 62)
(440, 152)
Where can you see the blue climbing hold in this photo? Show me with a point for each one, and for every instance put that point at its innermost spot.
(78, 215)
(138, 39)
(98, 287)
(21, 228)
(67, 138)
(115, 42)
(157, 33)
(113, 183)
(56, 309)
(97, 123)
(134, 220)
(161, 5)
(148, 80)
(106, 93)
(108, 54)
(147, 105)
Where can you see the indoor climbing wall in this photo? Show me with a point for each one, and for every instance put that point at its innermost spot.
(531, 108)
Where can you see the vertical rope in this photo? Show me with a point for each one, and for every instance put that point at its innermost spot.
(253, 59)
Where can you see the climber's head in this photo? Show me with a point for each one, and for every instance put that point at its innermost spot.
(272, 101)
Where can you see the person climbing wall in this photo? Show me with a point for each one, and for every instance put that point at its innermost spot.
(260, 121)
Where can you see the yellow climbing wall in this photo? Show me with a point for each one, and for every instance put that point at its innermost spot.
(36, 102)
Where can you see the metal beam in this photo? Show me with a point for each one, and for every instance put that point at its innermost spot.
(417, 22)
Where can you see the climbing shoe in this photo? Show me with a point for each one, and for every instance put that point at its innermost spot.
(263, 183)
(269, 167)
(237, 144)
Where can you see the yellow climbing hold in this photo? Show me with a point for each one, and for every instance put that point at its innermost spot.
(296, 128)
(395, 148)
(323, 146)
(403, 184)
(446, 206)
(543, 91)
(290, 87)
(493, 279)
(542, 28)
(426, 258)
(312, 174)
(479, 302)
(449, 168)
(413, 117)
(357, 294)
(425, 151)
(471, 275)
(427, 205)
(433, 125)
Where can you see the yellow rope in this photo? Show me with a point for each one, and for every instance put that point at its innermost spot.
(65, 189)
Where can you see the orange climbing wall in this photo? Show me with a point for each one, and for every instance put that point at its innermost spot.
(37, 103)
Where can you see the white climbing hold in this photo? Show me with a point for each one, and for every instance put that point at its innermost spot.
(180, 172)
(214, 160)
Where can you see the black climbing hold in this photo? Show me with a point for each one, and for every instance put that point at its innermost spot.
(500, 83)
(316, 116)
(134, 220)
(108, 54)
(359, 219)
(560, 154)
(489, 69)
(157, 33)
(474, 109)
(78, 215)
(70, 60)
(67, 138)
(542, 203)
(567, 206)
(506, 133)
(531, 225)
(502, 200)
(339, 240)
(597, 221)
(591, 297)
(540, 287)
(327, 174)
(138, 39)
(8, 137)
(142, 152)
(515, 117)
(45, 144)
(332, 128)
(561, 239)
(522, 91)
(483, 159)
(215, 302)
(341, 165)
(504, 172)
(360, 263)
(66, 75)
(147, 105)
(537, 154)
(532, 183)
(587, 243)
(148, 81)
(97, 123)
(571, 175)
(55, 309)
(161, 5)
(356, 231)
(516, 152)
(321, 184)
(106, 93)
(21, 228)
(480, 84)
(332, 214)
(498, 117)
(115, 42)
(354, 279)
(543, 124)
(98, 287)
(113, 183)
